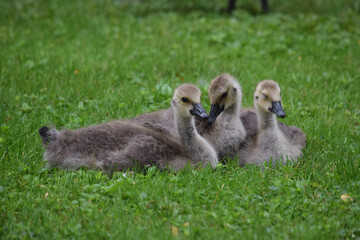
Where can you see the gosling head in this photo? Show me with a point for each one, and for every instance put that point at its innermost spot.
(186, 101)
(267, 97)
(224, 92)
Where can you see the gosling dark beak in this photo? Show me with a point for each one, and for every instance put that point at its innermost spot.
(215, 111)
(277, 109)
(199, 111)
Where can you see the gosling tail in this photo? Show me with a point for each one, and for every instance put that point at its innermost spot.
(47, 135)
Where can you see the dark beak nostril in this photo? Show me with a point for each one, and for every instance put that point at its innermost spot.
(199, 111)
(215, 111)
(277, 109)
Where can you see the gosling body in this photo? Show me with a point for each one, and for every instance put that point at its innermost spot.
(196, 150)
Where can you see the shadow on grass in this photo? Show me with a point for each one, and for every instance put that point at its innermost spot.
(149, 7)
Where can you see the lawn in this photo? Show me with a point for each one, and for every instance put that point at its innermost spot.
(74, 63)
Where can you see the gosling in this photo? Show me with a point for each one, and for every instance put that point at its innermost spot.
(225, 130)
(122, 145)
(270, 140)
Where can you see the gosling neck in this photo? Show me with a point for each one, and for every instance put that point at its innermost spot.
(195, 145)
(232, 113)
(266, 119)
(186, 127)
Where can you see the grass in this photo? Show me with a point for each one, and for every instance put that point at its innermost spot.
(75, 63)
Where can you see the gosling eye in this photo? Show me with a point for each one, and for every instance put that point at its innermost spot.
(184, 99)
(257, 97)
(224, 95)
(264, 96)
